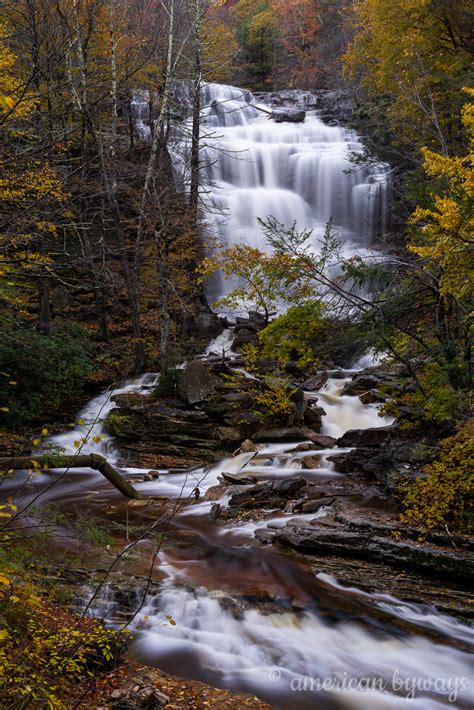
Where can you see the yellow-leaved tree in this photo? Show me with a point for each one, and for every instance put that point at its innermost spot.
(415, 55)
(446, 237)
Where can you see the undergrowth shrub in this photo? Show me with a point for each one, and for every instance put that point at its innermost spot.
(50, 369)
(445, 497)
(46, 652)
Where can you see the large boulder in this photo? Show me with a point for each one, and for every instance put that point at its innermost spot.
(289, 115)
(313, 417)
(367, 437)
(361, 383)
(196, 382)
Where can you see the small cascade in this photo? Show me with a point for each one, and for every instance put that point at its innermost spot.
(89, 429)
(344, 412)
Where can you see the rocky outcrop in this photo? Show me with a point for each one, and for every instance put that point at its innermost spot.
(195, 383)
(246, 329)
(362, 538)
(334, 107)
(388, 457)
(153, 428)
(313, 416)
(209, 409)
(371, 437)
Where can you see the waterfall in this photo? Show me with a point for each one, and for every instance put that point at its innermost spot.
(253, 168)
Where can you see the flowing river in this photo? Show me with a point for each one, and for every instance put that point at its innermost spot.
(246, 616)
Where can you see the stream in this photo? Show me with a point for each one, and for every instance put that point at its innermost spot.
(248, 617)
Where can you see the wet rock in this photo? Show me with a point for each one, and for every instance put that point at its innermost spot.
(302, 447)
(238, 479)
(311, 462)
(146, 428)
(246, 447)
(370, 397)
(315, 383)
(370, 540)
(361, 383)
(196, 382)
(150, 477)
(268, 494)
(313, 506)
(402, 457)
(290, 433)
(373, 437)
(335, 107)
(264, 535)
(313, 417)
(323, 442)
(215, 512)
(288, 116)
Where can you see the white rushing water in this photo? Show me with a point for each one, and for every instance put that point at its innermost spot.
(292, 660)
(256, 168)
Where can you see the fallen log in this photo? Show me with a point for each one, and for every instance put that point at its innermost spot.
(94, 461)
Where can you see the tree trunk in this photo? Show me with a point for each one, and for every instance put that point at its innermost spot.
(195, 140)
(94, 461)
(44, 309)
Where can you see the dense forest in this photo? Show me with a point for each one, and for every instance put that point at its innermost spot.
(135, 238)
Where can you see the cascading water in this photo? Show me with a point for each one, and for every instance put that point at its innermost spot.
(334, 647)
(344, 648)
(254, 168)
